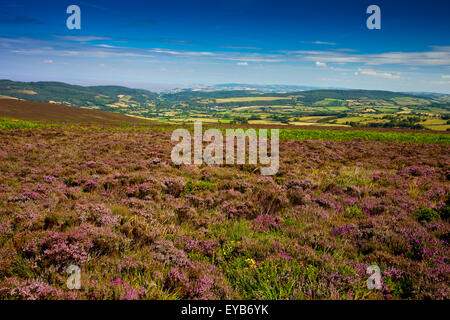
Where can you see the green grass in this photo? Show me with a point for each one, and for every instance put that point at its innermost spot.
(6, 123)
(263, 281)
(347, 135)
(192, 186)
(343, 135)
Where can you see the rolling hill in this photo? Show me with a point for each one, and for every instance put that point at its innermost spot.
(69, 94)
(256, 105)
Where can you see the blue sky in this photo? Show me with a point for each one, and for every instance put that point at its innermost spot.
(149, 44)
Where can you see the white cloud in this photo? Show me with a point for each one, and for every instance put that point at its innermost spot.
(242, 64)
(48, 61)
(325, 43)
(250, 59)
(445, 76)
(241, 47)
(80, 53)
(321, 64)
(320, 42)
(234, 56)
(181, 53)
(374, 73)
(440, 82)
(82, 38)
(437, 56)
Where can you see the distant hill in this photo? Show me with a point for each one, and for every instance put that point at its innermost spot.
(75, 95)
(18, 109)
(269, 88)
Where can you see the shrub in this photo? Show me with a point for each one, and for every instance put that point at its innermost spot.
(297, 196)
(185, 213)
(31, 289)
(164, 251)
(192, 186)
(90, 185)
(426, 214)
(238, 211)
(173, 187)
(445, 210)
(353, 211)
(271, 199)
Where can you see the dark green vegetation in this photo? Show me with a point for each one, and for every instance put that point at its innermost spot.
(357, 108)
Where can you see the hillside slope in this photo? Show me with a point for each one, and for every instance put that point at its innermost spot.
(20, 109)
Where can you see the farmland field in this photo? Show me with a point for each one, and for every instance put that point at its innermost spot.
(250, 99)
(88, 194)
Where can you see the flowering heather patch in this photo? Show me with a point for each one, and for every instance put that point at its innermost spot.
(90, 185)
(124, 291)
(32, 289)
(110, 201)
(205, 247)
(265, 222)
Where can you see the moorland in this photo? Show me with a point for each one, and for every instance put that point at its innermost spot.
(100, 191)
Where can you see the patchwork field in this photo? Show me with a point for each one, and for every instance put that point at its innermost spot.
(349, 108)
(240, 99)
(107, 197)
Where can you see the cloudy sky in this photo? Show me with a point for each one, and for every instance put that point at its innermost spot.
(313, 43)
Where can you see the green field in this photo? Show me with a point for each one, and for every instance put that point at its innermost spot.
(240, 99)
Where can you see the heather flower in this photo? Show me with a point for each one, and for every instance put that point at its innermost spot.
(376, 175)
(349, 202)
(265, 222)
(297, 196)
(173, 187)
(91, 164)
(184, 213)
(207, 247)
(238, 210)
(304, 184)
(164, 251)
(30, 289)
(202, 285)
(271, 199)
(176, 278)
(125, 291)
(32, 195)
(345, 230)
(49, 179)
(194, 200)
(90, 185)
